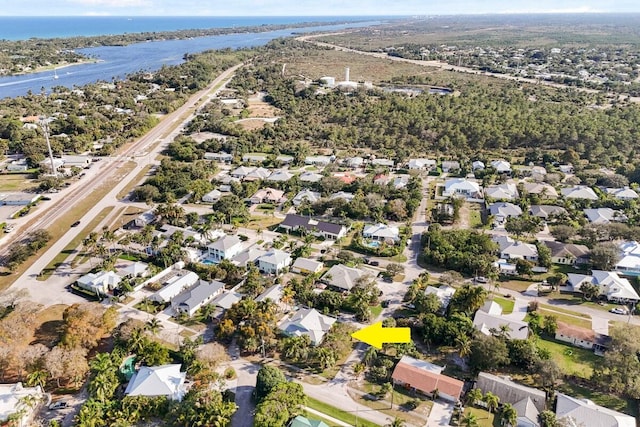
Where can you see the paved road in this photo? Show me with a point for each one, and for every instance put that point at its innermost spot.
(50, 293)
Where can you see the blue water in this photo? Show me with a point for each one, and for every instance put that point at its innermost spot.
(118, 61)
(374, 244)
(22, 28)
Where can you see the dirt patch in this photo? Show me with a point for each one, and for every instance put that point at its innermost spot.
(252, 124)
(262, 109)
(48, 326)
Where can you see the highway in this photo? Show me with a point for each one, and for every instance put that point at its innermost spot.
(106, 173)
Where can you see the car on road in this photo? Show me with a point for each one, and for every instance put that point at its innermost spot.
(61, 404)
(618, 310)
(481, 279)
(75, 224)
(374, 263)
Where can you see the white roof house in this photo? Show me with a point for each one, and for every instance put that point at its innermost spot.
(546, 211)
(614, 287)
(520, 250)
(191, 300)
(477, 165)
(135, 269)
(502, 241)
(506, 191)
(342, 195)
(629, 263)
(100, 283)
(318, 160)
(381, 232)
(421, 164)
(501, 166)
(226, 299)
(308, 322)
(274, 261)
(462, 187)
(444, 293)
(176, 284)
(212, 196)
(580, 412)
(490, 324)
(280, 175)
(241, 171)
(383, 162)
(273, 293)
(257, 174)
(310, 177)
(541, 189)
(579, 192)
(254, 158)
(12, 402)
(343, 277)
(306, 194)
(604, 215)
(165, 380)
(355, 162)
(306, 266)
(248, 256)
(225, 247)
(504, 210)
(450, 165)
(624, 193)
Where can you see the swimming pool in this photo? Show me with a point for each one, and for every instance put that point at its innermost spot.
(374, 244)
(207, 262)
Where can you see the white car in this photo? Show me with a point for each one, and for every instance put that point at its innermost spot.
(481, 279)
(618, 310)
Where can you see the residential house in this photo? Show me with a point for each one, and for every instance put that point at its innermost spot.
(320, 161)
(309, 177)
(400, 181)
(381, 179)
(582, 337)
(343, 277)
(307, 266)
(165, 380)
(421, 164)
(461, 187)
(579, 192)
(257, 174)
(285, 159)
(226, 247)
(583, 412)
(144, 219)
(135, 269)
(538, 173)
(604, 216)
(14, 404)
(99, 283)
(426, 378)
(226, 300)
(241, 171)
(301, 421)
(501, 166)
(176, 282)
(543, 190)
(306, 194)
(274, 261)
(450, 166)
(489, 321)
(613, 287)
(280, 175)
(567, 169)
(520, 250)
(77, 161)
(528, 401)
(629, 263)
(273, 293)
(220, 157)
(381, 233)
(387, 163)
(268, 195)
(567, 253)
(501, 211)
(547, 211)
(191, 300)
(19, 165)
(346, 177)
(477, 165)
(354, 162)
(308, 321)
(624, 193)
(254, 158)
(506, 191)
(347, 197)
(503, 242)
(322, 229)
(443, 293)
(248, 256)
(212, 196)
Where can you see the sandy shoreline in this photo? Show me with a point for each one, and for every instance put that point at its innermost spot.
(53, 67)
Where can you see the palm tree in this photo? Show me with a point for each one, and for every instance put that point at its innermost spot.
(469, 420)
(464, 345)
(370, 356)
(101, 363)
(38, 377)
(397, 422)
(154, 326)
(474, 395)
(509, 415)
(491, 400)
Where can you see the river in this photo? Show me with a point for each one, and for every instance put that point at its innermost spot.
(116, 62)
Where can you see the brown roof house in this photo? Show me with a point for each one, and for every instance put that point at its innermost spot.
(426, 378)
(582, 337)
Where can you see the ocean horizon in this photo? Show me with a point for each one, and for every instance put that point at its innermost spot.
(45, 27)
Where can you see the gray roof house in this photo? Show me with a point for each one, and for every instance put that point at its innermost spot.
(308, 322)
(501, 166)
(582, 412)
(509, 391)
(546, 211)
(328, 230)
(225, 247)
(503, 210)
(604, 215)
(310, 177)
(520, 250)
(226, 299)
(191, 300)
(343, 277)
(624, 193)
(541, 189)
(248, 256)
(306, 194)
(274, 261)
(579, 192)
(165, 380)
(450, 166)
(506, 191)
(280, 175)
(306, 266)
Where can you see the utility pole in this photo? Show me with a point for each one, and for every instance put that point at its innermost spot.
(45, 130)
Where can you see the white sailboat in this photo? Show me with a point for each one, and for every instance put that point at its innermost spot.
(55, 74)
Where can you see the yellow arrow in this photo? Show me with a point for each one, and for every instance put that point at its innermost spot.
(375, 335)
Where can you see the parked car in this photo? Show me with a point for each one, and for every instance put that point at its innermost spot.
(61, 404)
(481, 279)
(618, 310)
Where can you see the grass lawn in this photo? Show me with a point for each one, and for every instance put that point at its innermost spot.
(77, 241)
(347, 417)
(572, 360)
(262, 222)
(484, 418)
(16, 182)
(603, 399)
(549, 307)
(475, 218)
(399, 258)
(506, 304)
(133, 183)
(375, 311)
(514, 285)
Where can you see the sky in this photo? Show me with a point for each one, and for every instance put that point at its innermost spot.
(305, 7)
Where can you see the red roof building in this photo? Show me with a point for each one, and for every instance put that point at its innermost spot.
(426, 378)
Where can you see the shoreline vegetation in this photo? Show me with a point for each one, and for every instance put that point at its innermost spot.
(22, 57)
(57, 67)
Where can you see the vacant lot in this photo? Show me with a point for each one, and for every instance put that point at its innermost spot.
(16, 182)
(572, 360)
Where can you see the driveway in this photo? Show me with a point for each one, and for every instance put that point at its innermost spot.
(440, 414)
